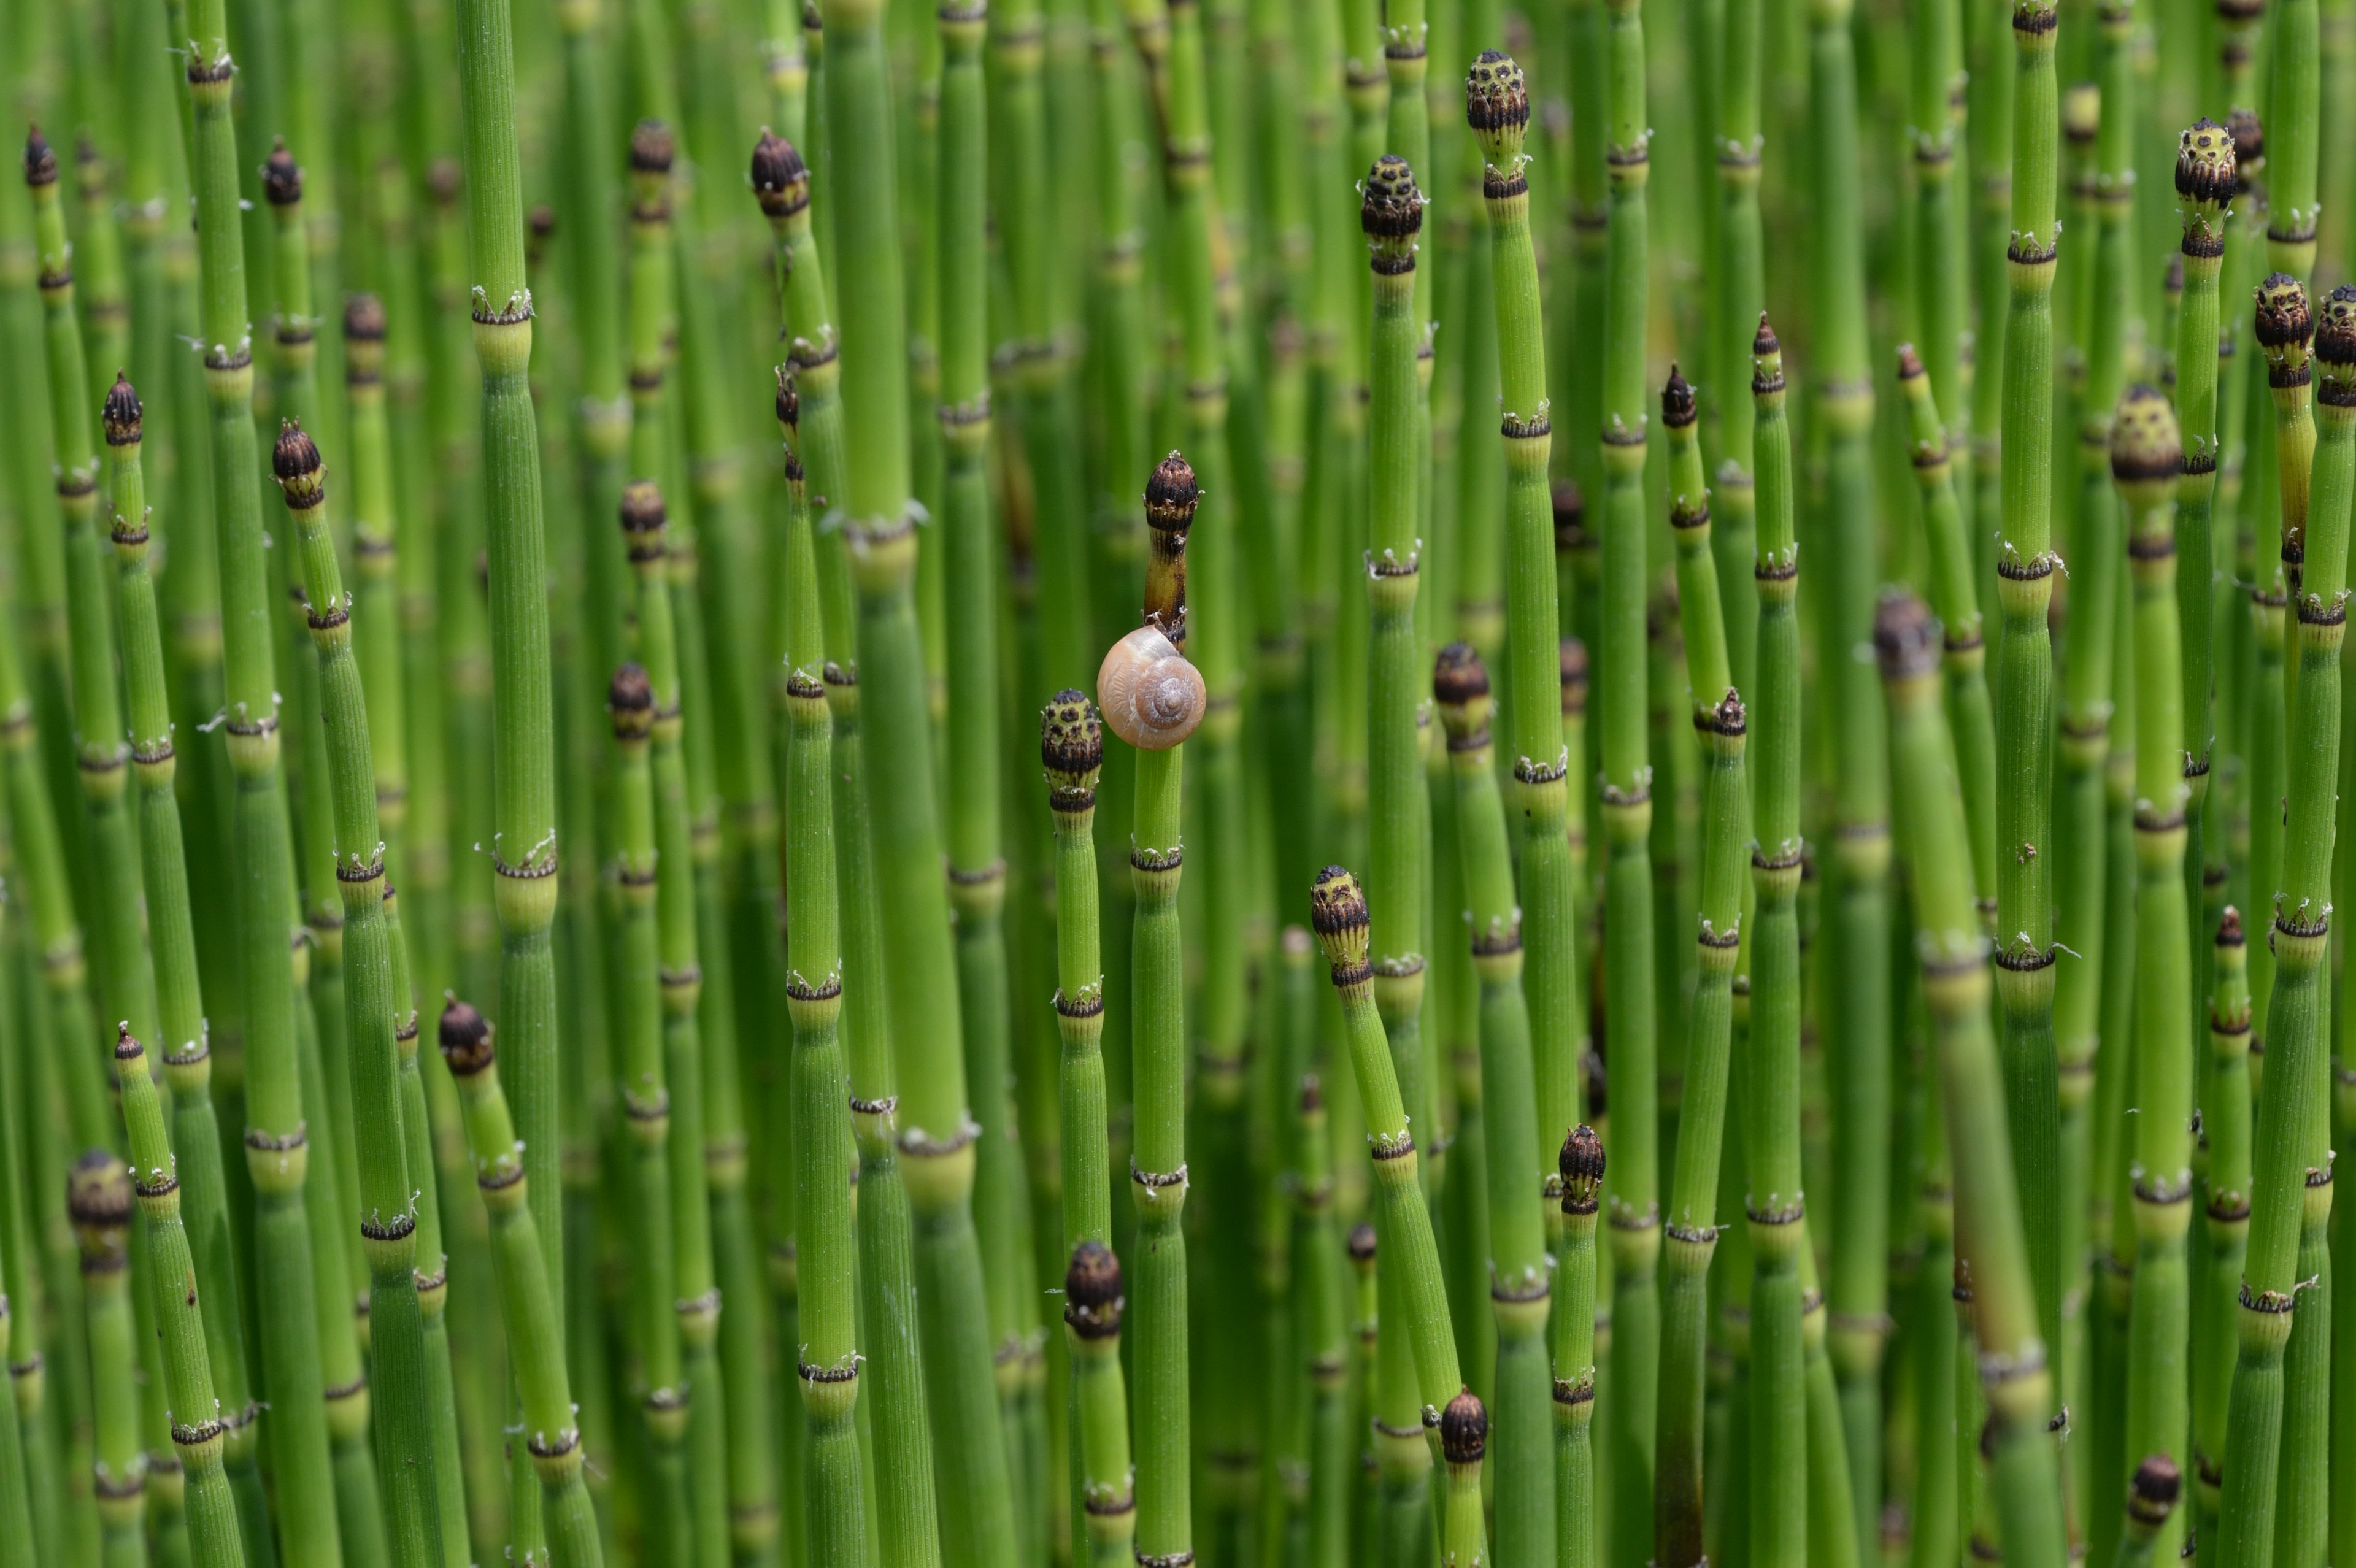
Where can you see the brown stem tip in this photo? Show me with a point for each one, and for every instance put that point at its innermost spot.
(1392, 210)
(1337, 912)
(2145, 446)
(2228, 929)
(2249, 147)
(781, 178)
(2205, 162)
(1458, 676)
(1171, 494)
(652, 148)
(630, 698)
(1905, 635)
(2157, 1483)
(364, 319)
(1464, 1429)
(1678, 409)
(1582, 1164)
(2335, 332)
(121, 415)
(466, 1036)
(1071, 740)
(1092, 1298)
(282, 176)
(2282, 314)
(40, 159)
(1361, 1245)
(98, 1192)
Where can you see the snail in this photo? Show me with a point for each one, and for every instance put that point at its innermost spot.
(1150, 696)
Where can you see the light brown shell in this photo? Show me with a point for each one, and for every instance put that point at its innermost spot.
(1150, 695)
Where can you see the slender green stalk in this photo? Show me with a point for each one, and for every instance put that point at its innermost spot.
(2205, 183)
(1571, 1339)
(1718, 719)
(523, 761)
(828, 1363)
(2318, 588)
(679, 978)
(2025, 564)
(1153, 698)
(646, 1107)
(189, 1337)
(276, 1154)
(810, 408)
(1342, 922)
(99, 1201)
(1737, 277)
(1771, 1132)
(126, 986)
(2145, 459)
(1071, 748)
(1630, 1022)
(977, 868)
(2026, 1479)
(2294, 56)
(15, 1500)
(406, 1452)
(535, 1355)
(919, 964)
(2225, 1128)
(1516, 1265)
(1954, 599)
(1858, 1005)
(171, 1276)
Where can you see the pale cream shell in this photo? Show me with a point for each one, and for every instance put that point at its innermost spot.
(1150, 695)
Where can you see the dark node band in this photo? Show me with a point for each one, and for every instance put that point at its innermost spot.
(393, 1230)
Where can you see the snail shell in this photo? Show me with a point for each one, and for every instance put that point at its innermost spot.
(1149, 696)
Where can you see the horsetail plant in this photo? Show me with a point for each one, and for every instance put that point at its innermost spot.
(407, 1453)
(1738, 277)
(679, 979)
(2024, 567)
(277, 1157)
(2319, 591)
(2025, 1481)
(1720, 722)
(126, 985)
(535, 1355)
(197, 1205)
(2205, 183)
(1954, 599)
(1771, 1135)
(198, 1437)
(827, 1362)
(1515, 1266)
(1629, 1021)
(1153, 697)
(977, 870)
(1071, 748)
(2225, 1130)
(1580, 1168)
(2145, 459)
(99, 1202)
(646, 1103)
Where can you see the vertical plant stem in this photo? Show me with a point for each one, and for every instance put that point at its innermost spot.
(1771, 1134)
(276, 1156)
(2026, 1469)
(1571, 1335)
(2294, 59)
(99, 1202)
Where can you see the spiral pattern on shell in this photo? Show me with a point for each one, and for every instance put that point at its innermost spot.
(1150, 695)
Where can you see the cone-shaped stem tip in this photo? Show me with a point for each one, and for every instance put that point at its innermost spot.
(1337, 912)
(40, 159)
(1764, 342)
(1910, 363)
(1171, 494)
(789, 398)
(2145, 445)
(1678, 409)
(1497, 105)
(644, 519)
(466, 1036)
(2228, 929)
(294, 456)
(2204, 162)
(282, 176)
(1464, 1429)
(652, 147)
(1071, 740)
(2152, 1496)
(2335, 330)
(364, 319)
(1092, 1298)
(2282, 317)
(630, 698)
(98, 1192)
(1361, 1244)
(1392, 210)
(121, 415)
(781, 178)
(1458, 676)
(1905, 635)
(1581, 1165)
